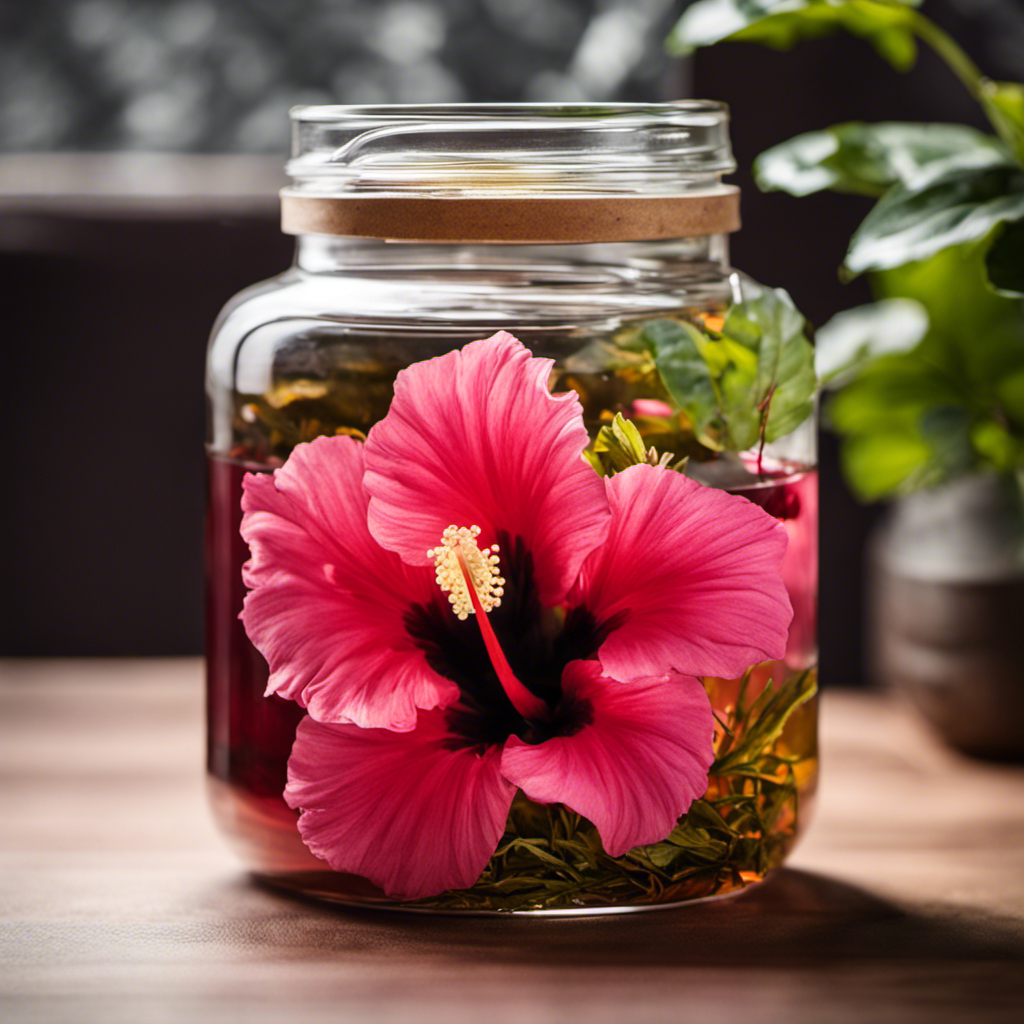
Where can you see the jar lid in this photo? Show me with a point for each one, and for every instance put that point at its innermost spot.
(517, 173)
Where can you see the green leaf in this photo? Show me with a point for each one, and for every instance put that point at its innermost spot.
(997, 446)
(891, 393)
(877, 465)
(975, 337)
(961, 206)
(910, 422)
(880, 414)
(806, 164)
(1010, 392)
(784, 382)
(780, 24)
(869, 158)
(738, 395)
(1004, 262)
(852, 339)
(755, 378)
(1004, 104)
(947, 430)
(792, 400)
(756, 375)
(680, 358)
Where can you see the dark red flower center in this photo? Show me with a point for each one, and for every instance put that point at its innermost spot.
(536, 642)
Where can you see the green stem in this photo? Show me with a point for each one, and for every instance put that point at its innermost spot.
(977, 85)
(950, 51)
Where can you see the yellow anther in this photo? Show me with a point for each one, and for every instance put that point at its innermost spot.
(461, 564)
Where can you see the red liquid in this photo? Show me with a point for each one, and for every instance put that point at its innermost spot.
(250, 736)
(793, 499)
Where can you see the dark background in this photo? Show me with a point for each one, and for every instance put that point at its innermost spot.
(110, 288)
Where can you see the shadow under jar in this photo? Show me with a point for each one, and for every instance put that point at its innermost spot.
(421, 229)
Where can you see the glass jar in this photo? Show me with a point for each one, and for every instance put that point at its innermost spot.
(421, 229)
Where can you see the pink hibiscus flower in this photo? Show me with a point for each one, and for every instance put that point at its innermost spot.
(466, 609)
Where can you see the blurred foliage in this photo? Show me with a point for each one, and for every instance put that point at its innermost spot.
(950, 405)
(886, 24)
(869, 159)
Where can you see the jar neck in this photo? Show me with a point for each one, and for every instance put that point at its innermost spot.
(327, 254)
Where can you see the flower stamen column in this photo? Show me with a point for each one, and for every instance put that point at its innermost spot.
(470, 577)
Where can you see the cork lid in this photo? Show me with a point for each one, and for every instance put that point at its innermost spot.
(522, 173)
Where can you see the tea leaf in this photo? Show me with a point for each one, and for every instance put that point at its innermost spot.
(770, 325)
(766, 720)
(754, 380)
(552, 858)
(682, 361)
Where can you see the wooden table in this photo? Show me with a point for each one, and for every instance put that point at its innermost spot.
(905, 902)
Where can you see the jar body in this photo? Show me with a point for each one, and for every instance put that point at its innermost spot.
(316, 352)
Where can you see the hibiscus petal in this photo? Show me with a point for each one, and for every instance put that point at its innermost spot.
(408, 811)
(327, 604)
(474, 437)
(634, 767)
(689, 579)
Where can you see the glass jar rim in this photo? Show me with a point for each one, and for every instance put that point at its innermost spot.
(633, 163)
(397, 111)
(580, 148)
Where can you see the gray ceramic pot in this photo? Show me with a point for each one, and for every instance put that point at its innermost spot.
(947, 611)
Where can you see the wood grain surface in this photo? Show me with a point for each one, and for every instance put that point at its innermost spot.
(904, 904)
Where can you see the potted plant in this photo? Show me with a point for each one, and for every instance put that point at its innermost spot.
(927, 382)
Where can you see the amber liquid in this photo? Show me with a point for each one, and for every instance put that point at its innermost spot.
(250, 736)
